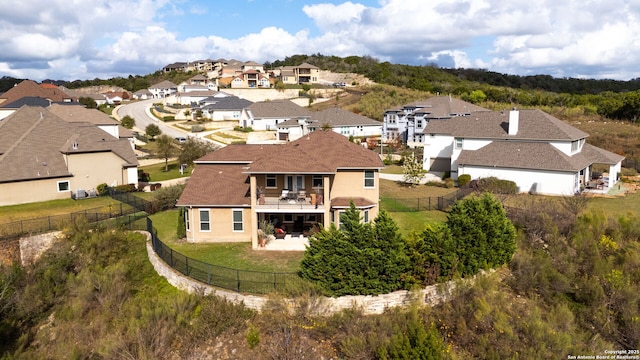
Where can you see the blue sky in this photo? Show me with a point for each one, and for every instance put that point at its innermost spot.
(83, 39)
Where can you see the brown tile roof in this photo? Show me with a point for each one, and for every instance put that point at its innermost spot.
(533, 125)
(277, 109)
(345, 202)
(31, 88)
(216, 185)
(337, 117)
(33, 142)
(220, 177)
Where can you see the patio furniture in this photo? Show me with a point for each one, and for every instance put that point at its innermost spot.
(302, 195)
(284, 195)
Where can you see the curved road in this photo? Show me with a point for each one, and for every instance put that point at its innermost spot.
(139, 110)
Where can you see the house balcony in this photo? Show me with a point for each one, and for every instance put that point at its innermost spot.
(290, 202)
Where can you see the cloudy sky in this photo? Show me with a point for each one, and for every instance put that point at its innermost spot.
(85, 39)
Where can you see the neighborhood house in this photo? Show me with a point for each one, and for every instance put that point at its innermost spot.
(298, 187)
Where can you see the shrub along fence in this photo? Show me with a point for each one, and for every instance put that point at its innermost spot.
(119, 214)
(441, 203)
(246, 281)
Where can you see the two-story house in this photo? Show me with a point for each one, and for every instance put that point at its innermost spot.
(44, 157)
(163, 89)
(537, 151)
(405, 124)
(341, 121)
(296, 186)
(304, 73)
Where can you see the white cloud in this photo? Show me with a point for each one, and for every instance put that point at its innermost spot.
(69, 39)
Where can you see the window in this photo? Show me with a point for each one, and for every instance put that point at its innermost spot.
(186, 220)
(419, 124)
(238, 224)
(271, 181)
(366, 216)
(63, 186)
(341, 214)
(369, 179)
(317, 182)
(458, 143)
(205, 224)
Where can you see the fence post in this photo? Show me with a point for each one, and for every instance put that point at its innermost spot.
(209, 274)
(275, 281)
(49, 219)
(120, 209)
(171, 256)
(238, 279)
(186, 262)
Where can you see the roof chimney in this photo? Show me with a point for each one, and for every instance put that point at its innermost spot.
(514, 119)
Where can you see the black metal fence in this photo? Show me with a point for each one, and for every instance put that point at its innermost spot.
(441, 203)
(256, 282)
(134, 201)
(119, 214)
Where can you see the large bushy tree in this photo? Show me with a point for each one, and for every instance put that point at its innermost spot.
(477, 235)
(193, 149)
(412, 170)
(165, 148)
(358, 259)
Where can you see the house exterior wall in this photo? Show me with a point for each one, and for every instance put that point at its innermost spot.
(222, 115)
(359, 131)
(33, 191)
(111, 130)
(546, 182)
(87, 175)
(350, 184)
(221, 226)
(436, 147)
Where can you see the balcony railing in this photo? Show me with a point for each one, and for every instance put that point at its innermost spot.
(293, 204)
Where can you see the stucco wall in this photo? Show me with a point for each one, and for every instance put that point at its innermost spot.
(87, 175)
(546, 182)
(33, 191)
(221, 225)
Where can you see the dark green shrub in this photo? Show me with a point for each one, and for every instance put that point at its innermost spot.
(497, 186)
(126, 188)
(197, 128)
(166, 197)
(103, 189)
(243, 129)
(449, 183)
(168, 118)
(464, 179)
(181, 230)
(447, 174)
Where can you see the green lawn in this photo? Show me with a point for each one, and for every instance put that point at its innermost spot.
(53, 207)
(232, 255)
(156, 171)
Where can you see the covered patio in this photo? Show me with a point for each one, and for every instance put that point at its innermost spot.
(291, 242)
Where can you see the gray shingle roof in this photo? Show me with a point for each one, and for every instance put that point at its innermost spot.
(166, 84)
(228, 103)
(277, 109)
(533, 125)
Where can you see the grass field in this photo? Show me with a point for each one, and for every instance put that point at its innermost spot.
(53, 207)
(156, 171)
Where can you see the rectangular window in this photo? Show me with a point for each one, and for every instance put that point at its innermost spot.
(238, 224)
(366, 216)
(458, 143)
(318, 182)
(419, 124)
(186, 220)
(369, 179)
(341, 214)
(205, 224)
(271, 181)
(63, 186)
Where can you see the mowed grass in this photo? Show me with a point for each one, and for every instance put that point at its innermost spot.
(54, 207)
(157, 171)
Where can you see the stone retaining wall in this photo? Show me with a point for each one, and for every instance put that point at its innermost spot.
(431, 295)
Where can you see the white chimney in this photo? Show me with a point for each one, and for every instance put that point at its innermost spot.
(514, 118)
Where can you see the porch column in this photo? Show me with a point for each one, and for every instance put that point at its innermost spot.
(254, 215)
(326, 198)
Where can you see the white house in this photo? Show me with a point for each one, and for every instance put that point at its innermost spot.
(163, 89)
(537, 151)
(406, 123)
(266, 115)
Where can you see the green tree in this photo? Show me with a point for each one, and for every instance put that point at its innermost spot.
(193, 149)
(165, 148)
(88, 102)
(412, 171)
(483, 235)
(359, 258)
(128, 122)
(181, 230)
(152, 130)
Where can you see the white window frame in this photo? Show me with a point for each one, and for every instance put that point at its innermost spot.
(208, 222)
(273, 177)
(63, 182)
(340, 213)
(187, 223)
(365, 216)
(458, 143)
(372, 179)
(234, 222)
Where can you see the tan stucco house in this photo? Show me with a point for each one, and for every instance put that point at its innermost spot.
(296, 186)
(44, 157)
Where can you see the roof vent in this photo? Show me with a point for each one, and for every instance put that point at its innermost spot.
(75, 145)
